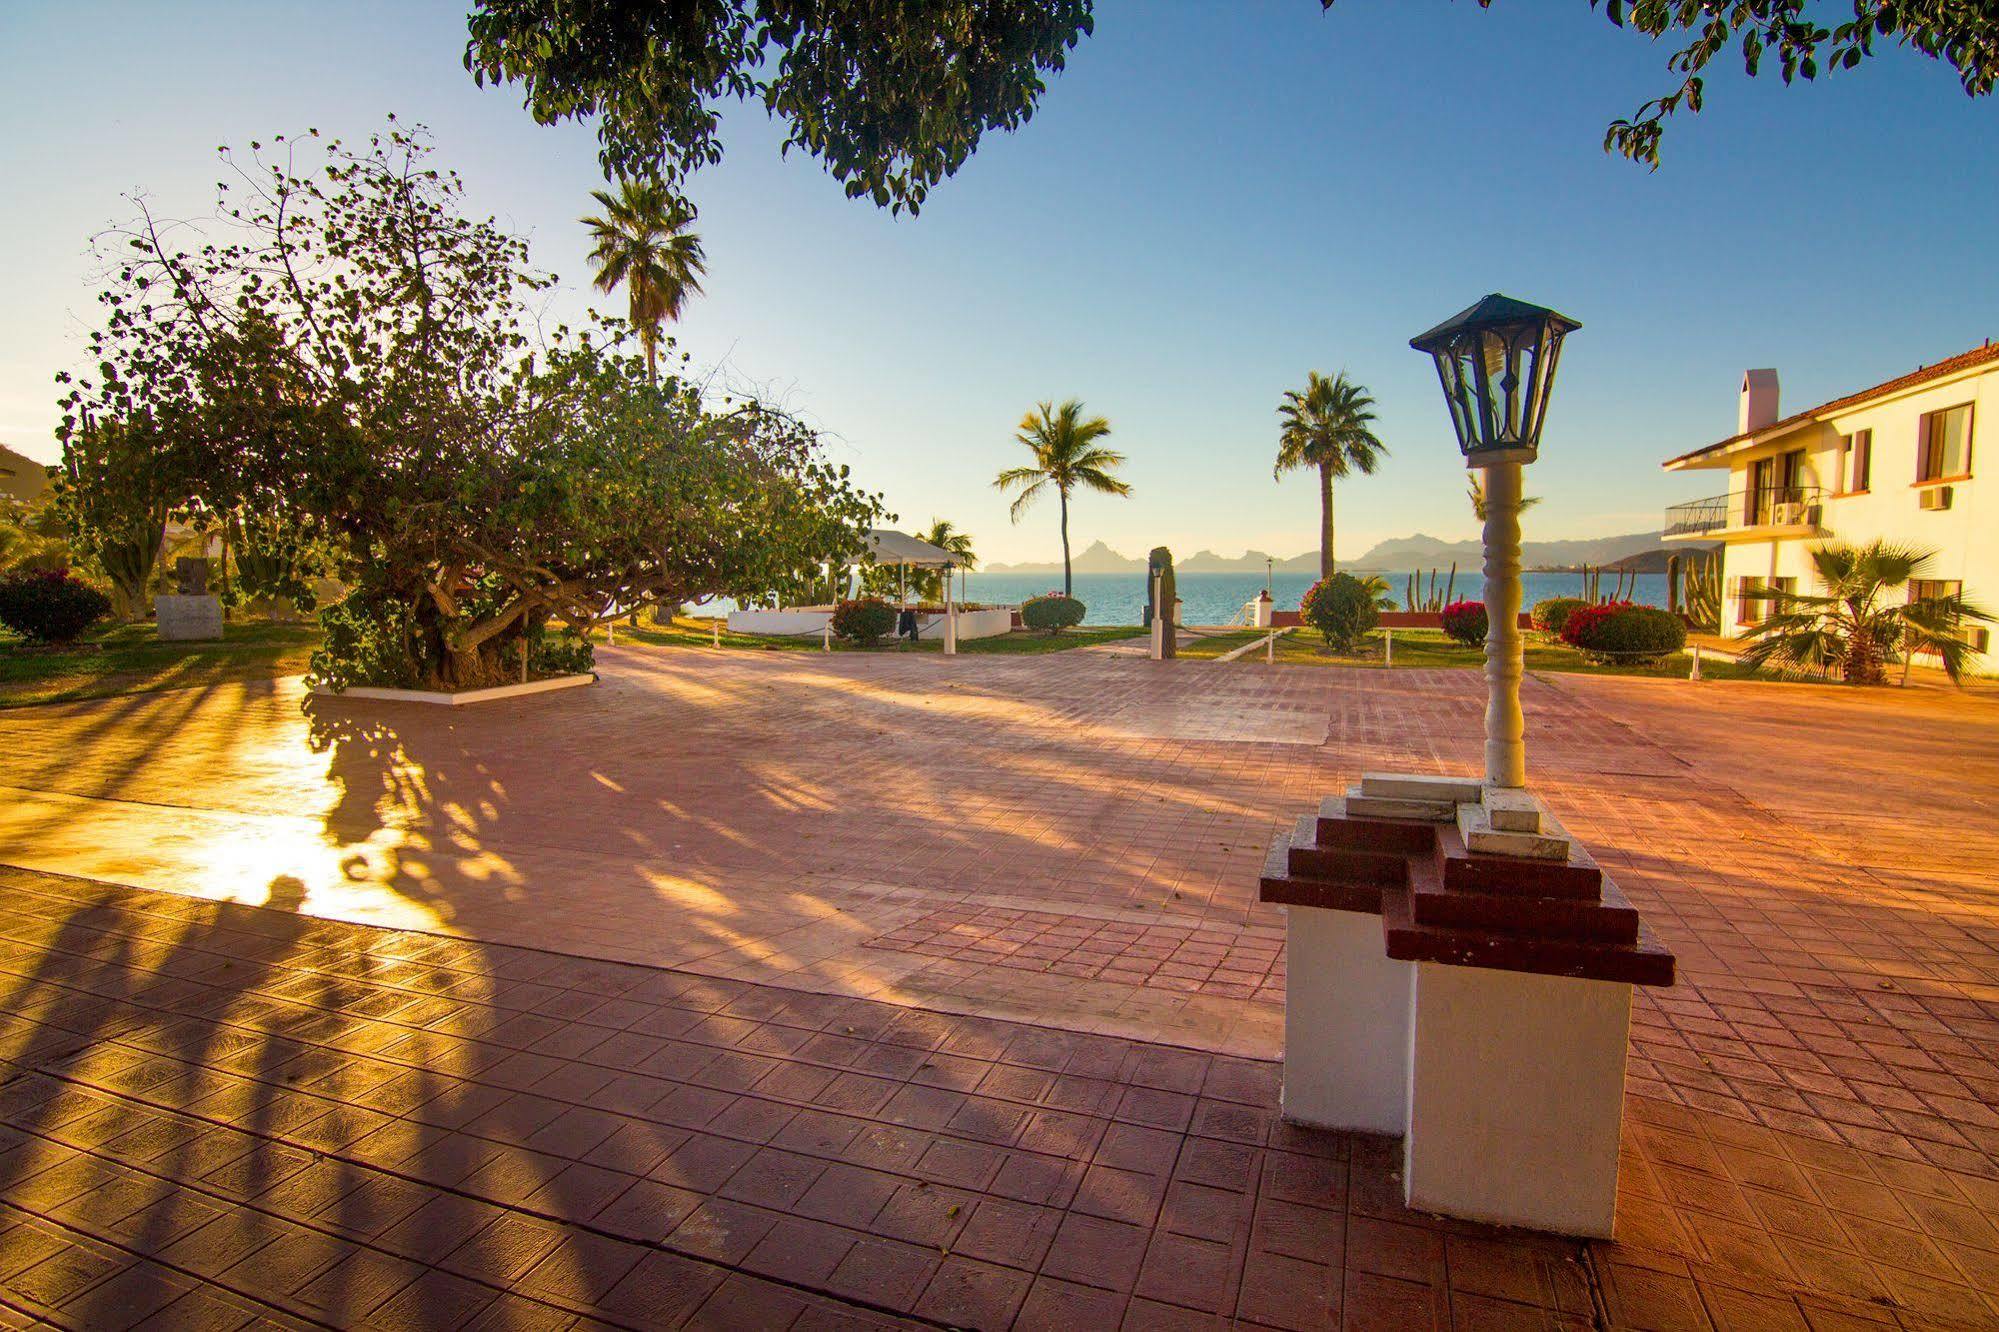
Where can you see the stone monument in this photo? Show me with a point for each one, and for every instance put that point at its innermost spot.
(191, 611)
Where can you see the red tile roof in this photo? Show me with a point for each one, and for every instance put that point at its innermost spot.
(1921, 375)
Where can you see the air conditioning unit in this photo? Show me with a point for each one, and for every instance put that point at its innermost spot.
(1789, 514)
(1936, 497)
(1979, 637)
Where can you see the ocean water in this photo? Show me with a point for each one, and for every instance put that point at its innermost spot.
(1215, 598)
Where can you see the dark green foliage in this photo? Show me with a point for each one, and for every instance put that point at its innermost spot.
(864, 620)
(1626, 635)
(1342, 608)
(1962, 33)
(1052, 612)
(50, 605)
(275, 559)
(1551, 614)
(1464, 622)
(891, 96)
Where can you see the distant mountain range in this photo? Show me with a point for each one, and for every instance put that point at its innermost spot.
(1399, 555)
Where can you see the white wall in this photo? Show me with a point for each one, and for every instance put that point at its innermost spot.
(1965, 537)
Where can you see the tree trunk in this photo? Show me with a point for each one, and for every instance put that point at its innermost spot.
(1326, 565)
(652, 358)
(1066, 579)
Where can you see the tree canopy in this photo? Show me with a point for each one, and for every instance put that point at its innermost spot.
(339, 351)
(892, 96)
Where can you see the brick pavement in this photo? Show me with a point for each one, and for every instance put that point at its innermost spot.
(1810, 1134)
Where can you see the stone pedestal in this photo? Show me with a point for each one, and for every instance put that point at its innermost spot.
(1516, 1098)
(1460, 972)
(185, 618)
(1346, 1024)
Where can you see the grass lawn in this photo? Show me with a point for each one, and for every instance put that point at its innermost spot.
(129, 659)
(698, 631)
(1430, 648)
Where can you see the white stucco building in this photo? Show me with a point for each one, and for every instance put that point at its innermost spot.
(1899, 461)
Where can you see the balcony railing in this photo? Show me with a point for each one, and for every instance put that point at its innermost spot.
(1772, 506)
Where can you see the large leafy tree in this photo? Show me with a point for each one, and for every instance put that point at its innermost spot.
(893, 95)
(1857, 625)
(1066, 455)
(643, 240)
(340, 351)
(1329, 428)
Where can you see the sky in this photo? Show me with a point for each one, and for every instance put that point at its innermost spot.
(1213, 199)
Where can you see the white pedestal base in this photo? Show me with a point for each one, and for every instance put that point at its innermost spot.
(187, 619)
(1346, 1023)
(1516, 1097)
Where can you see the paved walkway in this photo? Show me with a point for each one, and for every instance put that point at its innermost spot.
(1044, 867)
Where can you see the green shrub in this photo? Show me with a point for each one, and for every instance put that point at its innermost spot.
(50, 605)
(560, 652)
(1053, 612)
(1622, 634)
(1550, 615)
(1464, 622)
(865, 620)
(1343, 609)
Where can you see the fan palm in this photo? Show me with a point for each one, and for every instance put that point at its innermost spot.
(1852, 628)
(1066, 455)
(645, 244)
(1329, 426)
(944, 535)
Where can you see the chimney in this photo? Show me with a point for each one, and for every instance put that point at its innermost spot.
(1759, 401)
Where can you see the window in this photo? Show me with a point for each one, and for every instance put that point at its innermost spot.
(1751, 609)
(1923, 589)
(1943, 445)
(1856, 462)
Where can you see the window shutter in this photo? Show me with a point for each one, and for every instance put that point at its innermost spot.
(1923, 447)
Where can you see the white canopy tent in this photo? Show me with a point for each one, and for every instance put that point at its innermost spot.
(889, 547)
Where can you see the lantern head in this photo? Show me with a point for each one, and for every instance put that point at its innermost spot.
(1496, 362)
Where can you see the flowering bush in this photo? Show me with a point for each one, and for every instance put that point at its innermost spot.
(1052, 611)
(1464, 622)
(1583, 619)
(1550, 615)
(1343, 609)
(50, 605)
(864, 620)
(1621, 633)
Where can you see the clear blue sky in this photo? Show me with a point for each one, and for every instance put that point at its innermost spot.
(1214, 199)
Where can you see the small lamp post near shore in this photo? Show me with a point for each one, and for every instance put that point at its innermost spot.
(1496, 361)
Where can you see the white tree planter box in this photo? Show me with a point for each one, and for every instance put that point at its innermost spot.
(460, 697)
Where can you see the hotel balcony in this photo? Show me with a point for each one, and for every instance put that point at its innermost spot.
(1775, 511)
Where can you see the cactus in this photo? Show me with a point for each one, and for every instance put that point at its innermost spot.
(1160, 564)
(1700, 593)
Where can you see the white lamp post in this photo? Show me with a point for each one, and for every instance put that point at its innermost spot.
(1496, 362)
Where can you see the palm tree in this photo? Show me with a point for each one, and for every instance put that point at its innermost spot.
(945, 536)
(1851, 627)
(1476, 489)
(1329, 426)
(1066, 455)
(645, 244)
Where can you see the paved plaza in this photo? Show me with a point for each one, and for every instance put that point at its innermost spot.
(780, 989)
